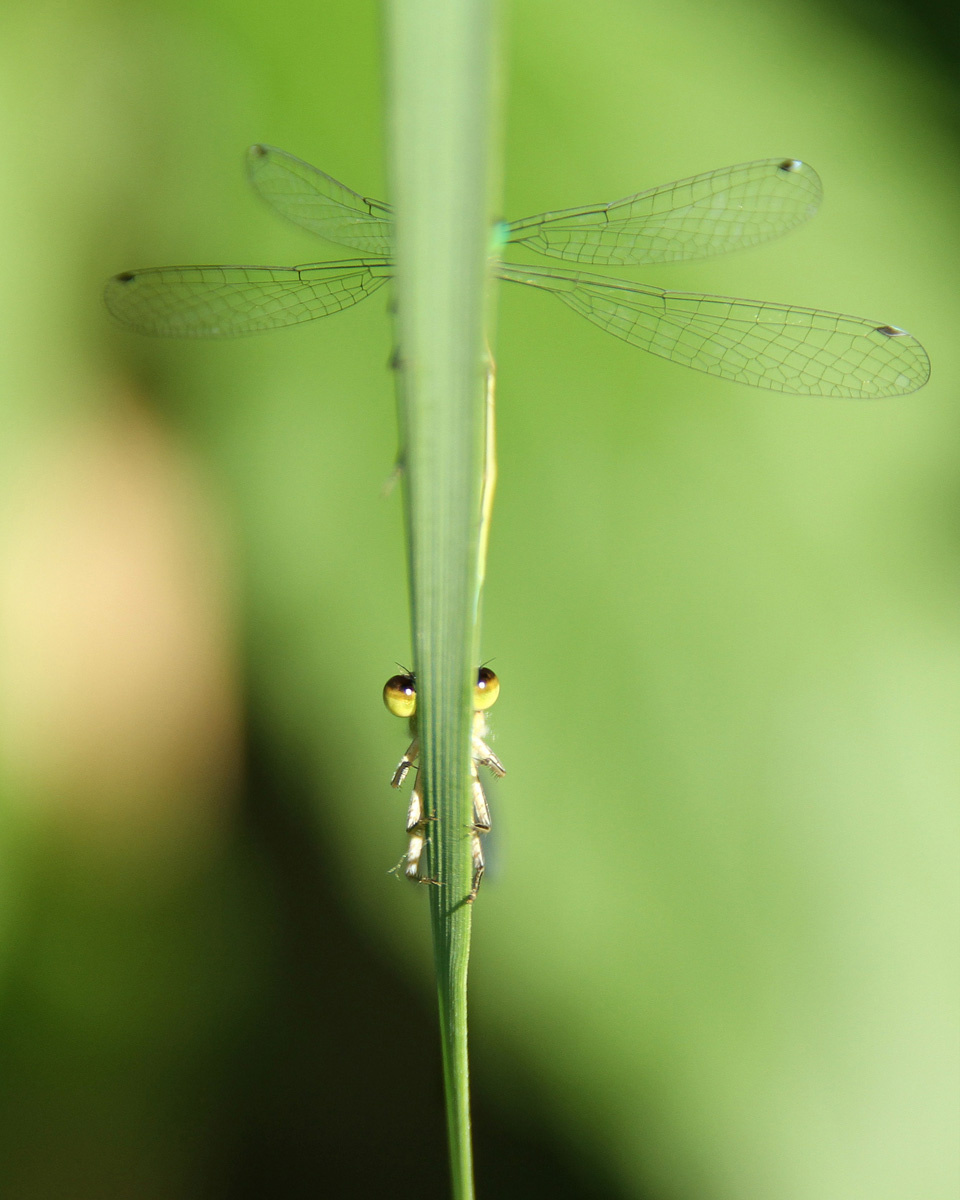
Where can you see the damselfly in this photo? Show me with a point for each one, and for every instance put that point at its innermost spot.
(400, 697)
(804, 351)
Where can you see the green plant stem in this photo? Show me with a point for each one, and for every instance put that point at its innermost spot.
(440, 56)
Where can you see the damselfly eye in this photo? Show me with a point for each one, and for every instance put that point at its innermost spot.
(400, 695)
(487, 689)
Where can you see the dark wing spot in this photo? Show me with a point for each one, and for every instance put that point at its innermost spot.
(790, 164)
(260, 151)
(125, 277)
(891, 331)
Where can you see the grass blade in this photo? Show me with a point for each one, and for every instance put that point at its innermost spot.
(440, 55)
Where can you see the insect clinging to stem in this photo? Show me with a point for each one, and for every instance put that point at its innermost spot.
(400, 697)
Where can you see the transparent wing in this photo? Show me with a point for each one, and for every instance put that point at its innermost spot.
(212, 302)
(319, 203)
(694, 218)
(804, 351)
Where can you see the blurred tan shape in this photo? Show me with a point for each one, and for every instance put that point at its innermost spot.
(118, 704)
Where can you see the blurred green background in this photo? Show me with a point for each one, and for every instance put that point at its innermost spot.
(715, 952)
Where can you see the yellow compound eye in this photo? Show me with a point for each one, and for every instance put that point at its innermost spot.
(487, 689)
(400, 695)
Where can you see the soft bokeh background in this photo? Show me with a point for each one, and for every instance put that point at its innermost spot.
(715, 953)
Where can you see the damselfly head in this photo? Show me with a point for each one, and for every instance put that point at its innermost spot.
(400, 692)
(400, 695)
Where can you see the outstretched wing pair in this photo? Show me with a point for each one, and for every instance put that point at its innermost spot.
(804, 351)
